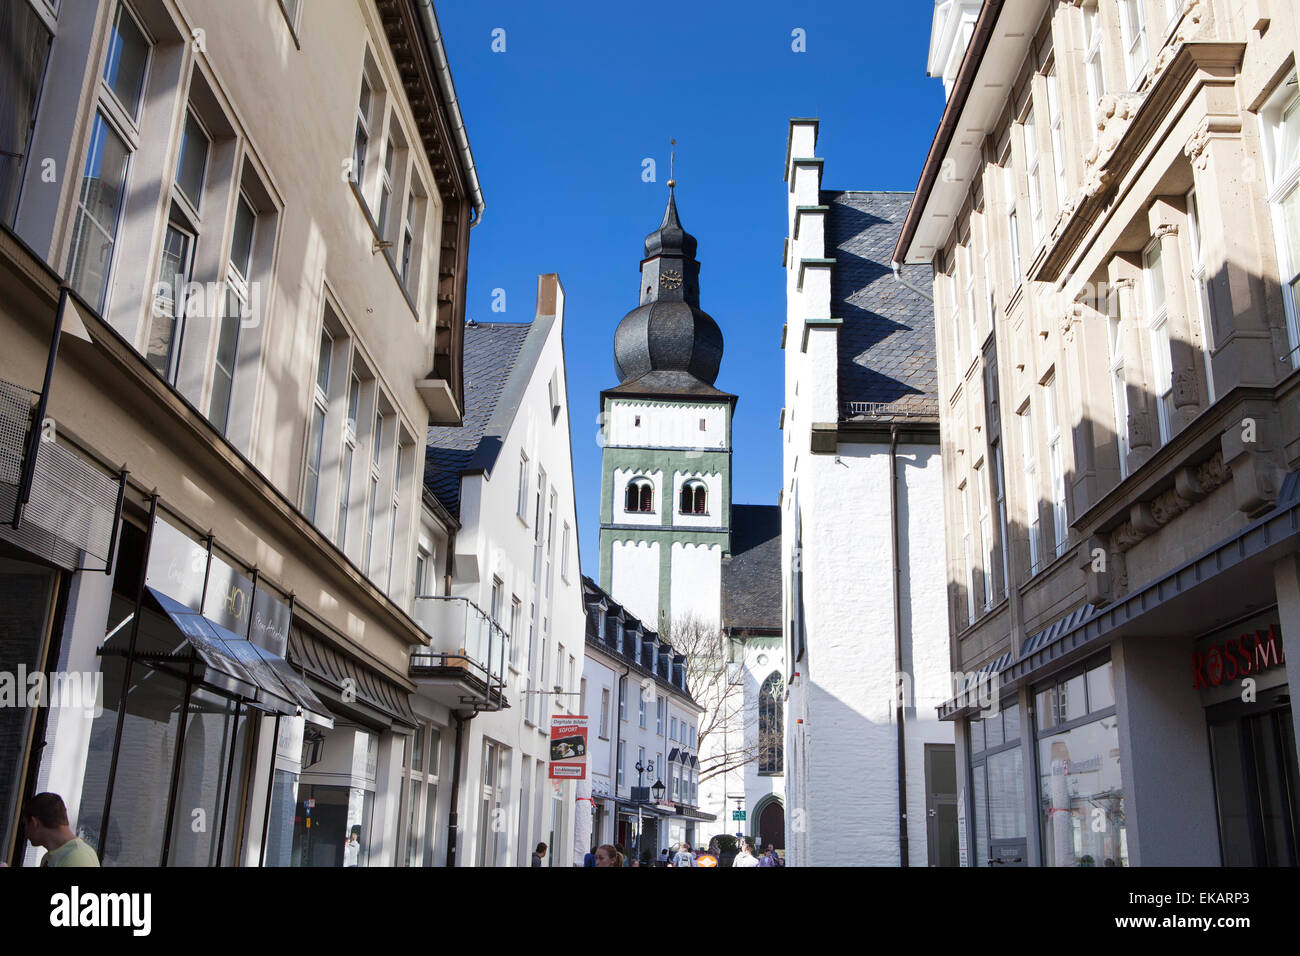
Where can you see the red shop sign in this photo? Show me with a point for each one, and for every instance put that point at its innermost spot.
(1237, 657)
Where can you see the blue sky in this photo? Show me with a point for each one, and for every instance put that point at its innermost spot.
(561, 121)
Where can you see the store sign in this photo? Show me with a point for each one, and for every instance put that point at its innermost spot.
(229, 597)
(1238, 657)
(568, 747)
(177, 564)
(271, 618)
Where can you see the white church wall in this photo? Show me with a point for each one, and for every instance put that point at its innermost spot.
(634, 579)
(666, 426)
(696, 588)
(649, 519)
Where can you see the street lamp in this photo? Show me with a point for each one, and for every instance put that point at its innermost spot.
(640, 768)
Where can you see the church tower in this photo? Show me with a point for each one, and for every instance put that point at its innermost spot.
(665, 516)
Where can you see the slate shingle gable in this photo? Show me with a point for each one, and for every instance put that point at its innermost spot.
(886, 344)
(491, 350)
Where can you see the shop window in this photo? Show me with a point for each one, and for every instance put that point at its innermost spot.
(997, 787)
(421, 796)
(1081, 795)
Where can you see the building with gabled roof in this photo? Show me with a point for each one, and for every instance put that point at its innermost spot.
(861, 562)
(499, 591)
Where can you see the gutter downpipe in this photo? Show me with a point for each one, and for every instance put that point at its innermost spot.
(900, 711)
(898, 277)
(453, 813)
(434, 35)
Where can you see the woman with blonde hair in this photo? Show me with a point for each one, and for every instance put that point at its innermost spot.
(606, 855)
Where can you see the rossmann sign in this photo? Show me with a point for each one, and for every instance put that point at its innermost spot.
(1246, 655)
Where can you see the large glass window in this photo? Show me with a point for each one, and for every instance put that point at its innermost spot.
(163, 348)
(423, 753)
(1094, 67)
(22, 71)
(99, 205)
(1153, 278)
(1205, 306)
(1081, 795)
(124, 66)
(1060, 520)
(1034, 174)
(998, 788)
(1133, 28)
(1029, 463)
(193, 160)
(1280, 124)
(316, 435)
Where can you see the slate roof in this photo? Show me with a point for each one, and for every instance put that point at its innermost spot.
(887, 339)
(491, 350)
(751, 577)
(593, 595)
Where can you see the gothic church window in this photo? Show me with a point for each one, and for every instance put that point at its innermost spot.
(771, 726)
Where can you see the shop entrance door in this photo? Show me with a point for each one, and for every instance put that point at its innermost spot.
(1256, 783)
(941, 804)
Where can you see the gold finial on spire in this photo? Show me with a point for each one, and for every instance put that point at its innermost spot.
(672, 155)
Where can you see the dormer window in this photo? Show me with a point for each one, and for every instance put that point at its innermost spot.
(694, 498)
(640, 496)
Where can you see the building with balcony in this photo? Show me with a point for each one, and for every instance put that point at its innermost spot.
(1109, 212)
(229, 317)
(641, 714)
(500, 596)
(669, 533)
(869, 765)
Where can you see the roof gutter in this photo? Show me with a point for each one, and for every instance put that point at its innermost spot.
(970, 65)
(434, 35)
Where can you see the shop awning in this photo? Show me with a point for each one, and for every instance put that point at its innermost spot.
(349, 686)
(240, 667)
(1168, 604)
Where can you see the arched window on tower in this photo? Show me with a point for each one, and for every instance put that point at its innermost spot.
(640, 496)
(771, 726)
(694, 498)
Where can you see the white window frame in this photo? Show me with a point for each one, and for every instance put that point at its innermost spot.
(1029, 464)
(1204, 304)
(1276, 119)
(1056, 126)
(1133, 36)
(1001, 501)
(986, 252)
(372, 492)
(604, 713)
(1033, 175)
(1094, 65)
(348, 459)
(986, 530)
(1055, 458)
(966, 256)
(967, 552)
(1118, 385)
(320, 412)
(1156, 298)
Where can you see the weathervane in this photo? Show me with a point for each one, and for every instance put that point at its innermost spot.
(672, 155)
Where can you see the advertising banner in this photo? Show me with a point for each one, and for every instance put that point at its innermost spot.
(568, 747)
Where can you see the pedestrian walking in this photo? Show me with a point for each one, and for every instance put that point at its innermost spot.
(746, 856)
(45, 820)
(539, 854)
(684, 857)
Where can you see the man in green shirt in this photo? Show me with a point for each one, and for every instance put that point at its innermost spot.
(45, 818)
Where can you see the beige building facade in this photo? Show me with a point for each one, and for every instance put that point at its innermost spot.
(233, 256)
(1111, 212)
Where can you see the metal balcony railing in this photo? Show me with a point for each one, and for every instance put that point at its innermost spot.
(462, 635)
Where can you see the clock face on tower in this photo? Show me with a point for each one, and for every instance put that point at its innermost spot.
(671, 279)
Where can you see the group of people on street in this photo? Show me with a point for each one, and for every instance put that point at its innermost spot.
(612, 855)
